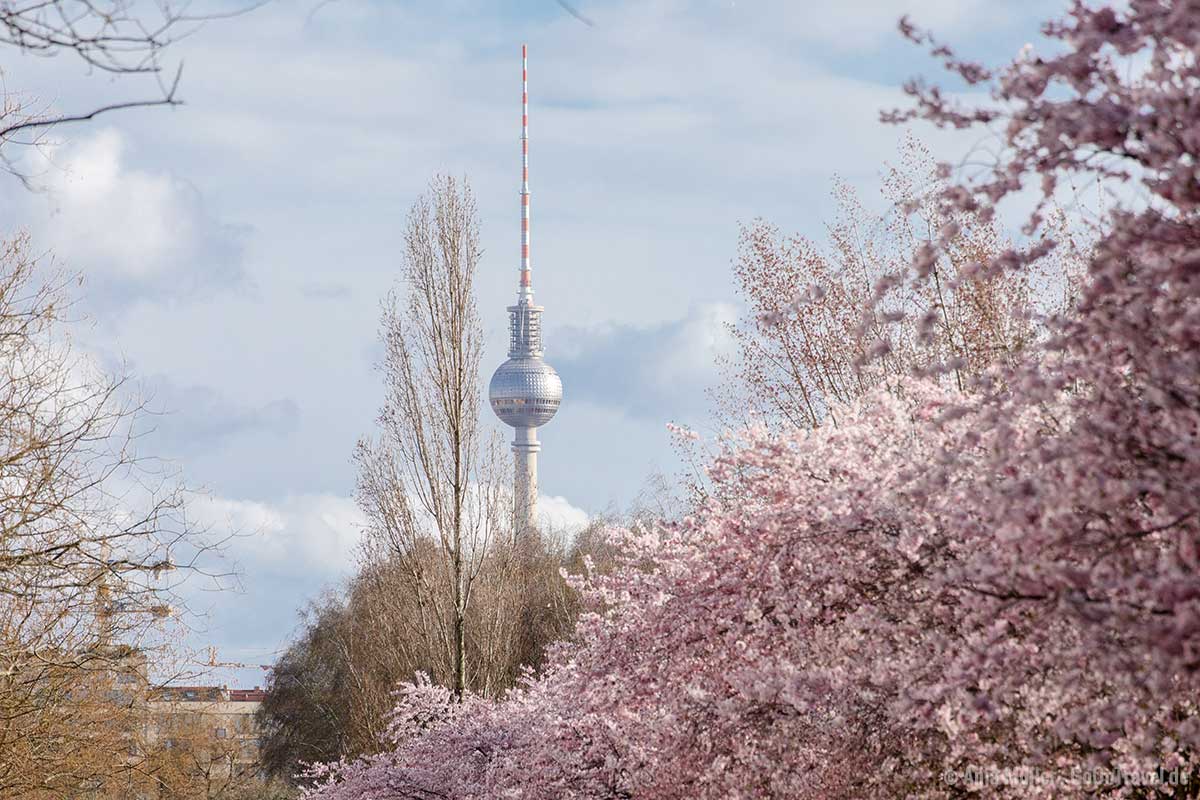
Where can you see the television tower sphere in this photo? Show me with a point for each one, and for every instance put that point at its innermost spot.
(525, 392)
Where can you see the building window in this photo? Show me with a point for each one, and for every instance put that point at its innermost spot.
(222, 733)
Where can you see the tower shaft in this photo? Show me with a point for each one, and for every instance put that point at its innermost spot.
(525, 449)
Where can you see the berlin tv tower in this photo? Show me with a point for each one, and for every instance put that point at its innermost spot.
(525, 391)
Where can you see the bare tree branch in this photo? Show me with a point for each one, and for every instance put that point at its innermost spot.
(110, 36)
(169, 99)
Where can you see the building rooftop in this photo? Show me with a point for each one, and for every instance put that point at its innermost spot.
(210, 694)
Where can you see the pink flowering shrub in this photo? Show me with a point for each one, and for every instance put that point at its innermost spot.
(1005, 581)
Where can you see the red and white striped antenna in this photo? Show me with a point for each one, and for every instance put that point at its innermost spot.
(525, 281)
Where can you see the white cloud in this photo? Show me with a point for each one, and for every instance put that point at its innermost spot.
(559, 515)
(127, 220)
(660, 370)
(185, 419)
(318, 534)
(315, 534)
(854, 24)
(129, 231)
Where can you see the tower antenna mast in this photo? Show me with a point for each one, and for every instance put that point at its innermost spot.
(525, 274)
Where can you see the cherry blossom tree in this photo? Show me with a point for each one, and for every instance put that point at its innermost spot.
(993, 592)
(788, 368)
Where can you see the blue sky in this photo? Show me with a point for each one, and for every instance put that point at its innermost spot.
(235, 250)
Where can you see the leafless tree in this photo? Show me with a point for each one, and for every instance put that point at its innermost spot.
(811, 338)
(432, 477)
(194, 751)
(796, 362)
(93, 541)
(331, 692)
